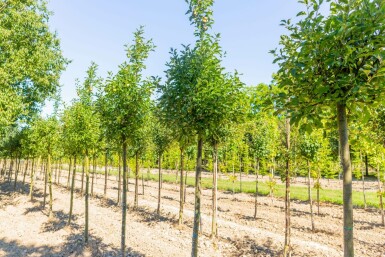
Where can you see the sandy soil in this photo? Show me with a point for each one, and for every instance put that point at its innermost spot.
(26, 230)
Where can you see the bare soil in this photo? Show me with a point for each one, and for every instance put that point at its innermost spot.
(26, 230)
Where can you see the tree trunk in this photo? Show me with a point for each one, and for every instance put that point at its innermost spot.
(25, 170)
(45, 183)
(214, 224)
(124, 199)
(318, 188)
(16, 172)
(49, 173)
(4, 168)
(86, 212)
(10, 170)
(69, 174)
(380, 196)
(197, 209)
(136, 180)
(32, 179)
(83, 164)
(120, 176)
(240, 175)
(366, 165)
(105, 174)
(287, 248)
(256, 160)
(93, 174)
(309, 195)
(181, 192)
(185, 187)
(59, 175)
(72, 191)
(347, 180)
(159, 182)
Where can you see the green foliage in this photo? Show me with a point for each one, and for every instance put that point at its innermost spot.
(30, 59)
(126, 97)
(325, 60)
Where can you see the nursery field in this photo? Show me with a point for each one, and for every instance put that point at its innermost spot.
(26, 229)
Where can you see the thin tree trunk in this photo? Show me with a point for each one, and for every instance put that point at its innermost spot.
(256, 160)
(32, 179)
(93, 174)
(240, 175)
(309, 195)
(69, 174)
(363, 181)
(10, 170)
(16, 172)
(185, 187)
(159, 182)
(86, 212)
(83, 164)
(214, 224)
(181, 192)
(59, 175)
(4, 168)
(120, 176)
(124, 199)
(49, 173)
(318, 189)
(136, 180)
(197, 208)
(380, 196)
(287, 247)
(366, 165)
(105, 174)
(72, 191)
(25, 170)
(347, 180)
(45, 183)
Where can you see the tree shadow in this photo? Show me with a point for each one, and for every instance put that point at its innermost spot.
(152, 218)
(73, 246)
(59, 221)
(248, 247)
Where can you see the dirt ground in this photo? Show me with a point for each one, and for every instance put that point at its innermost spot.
(26, 230)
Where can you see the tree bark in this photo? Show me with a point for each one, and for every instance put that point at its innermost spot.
(181, 192)
(380, 196)
(32, 179)
(105, 174)
(256, 161)
(309, 195)
(25, 170)
(287, 247)
(159, 182)
(214, 224)
(16, 172)
(136, 180)
(124, 198)
(83, 164)
(93, 174)
(49, 173)
(72, 191)
(197, 208)
(69, 174)
(366, 165)
(86, 205)
(120, 177)
(45, 182)
(347, 180)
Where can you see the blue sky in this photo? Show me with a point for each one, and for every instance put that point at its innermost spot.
(97, 30)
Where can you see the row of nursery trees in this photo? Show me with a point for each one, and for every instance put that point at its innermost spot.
(322, 116)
